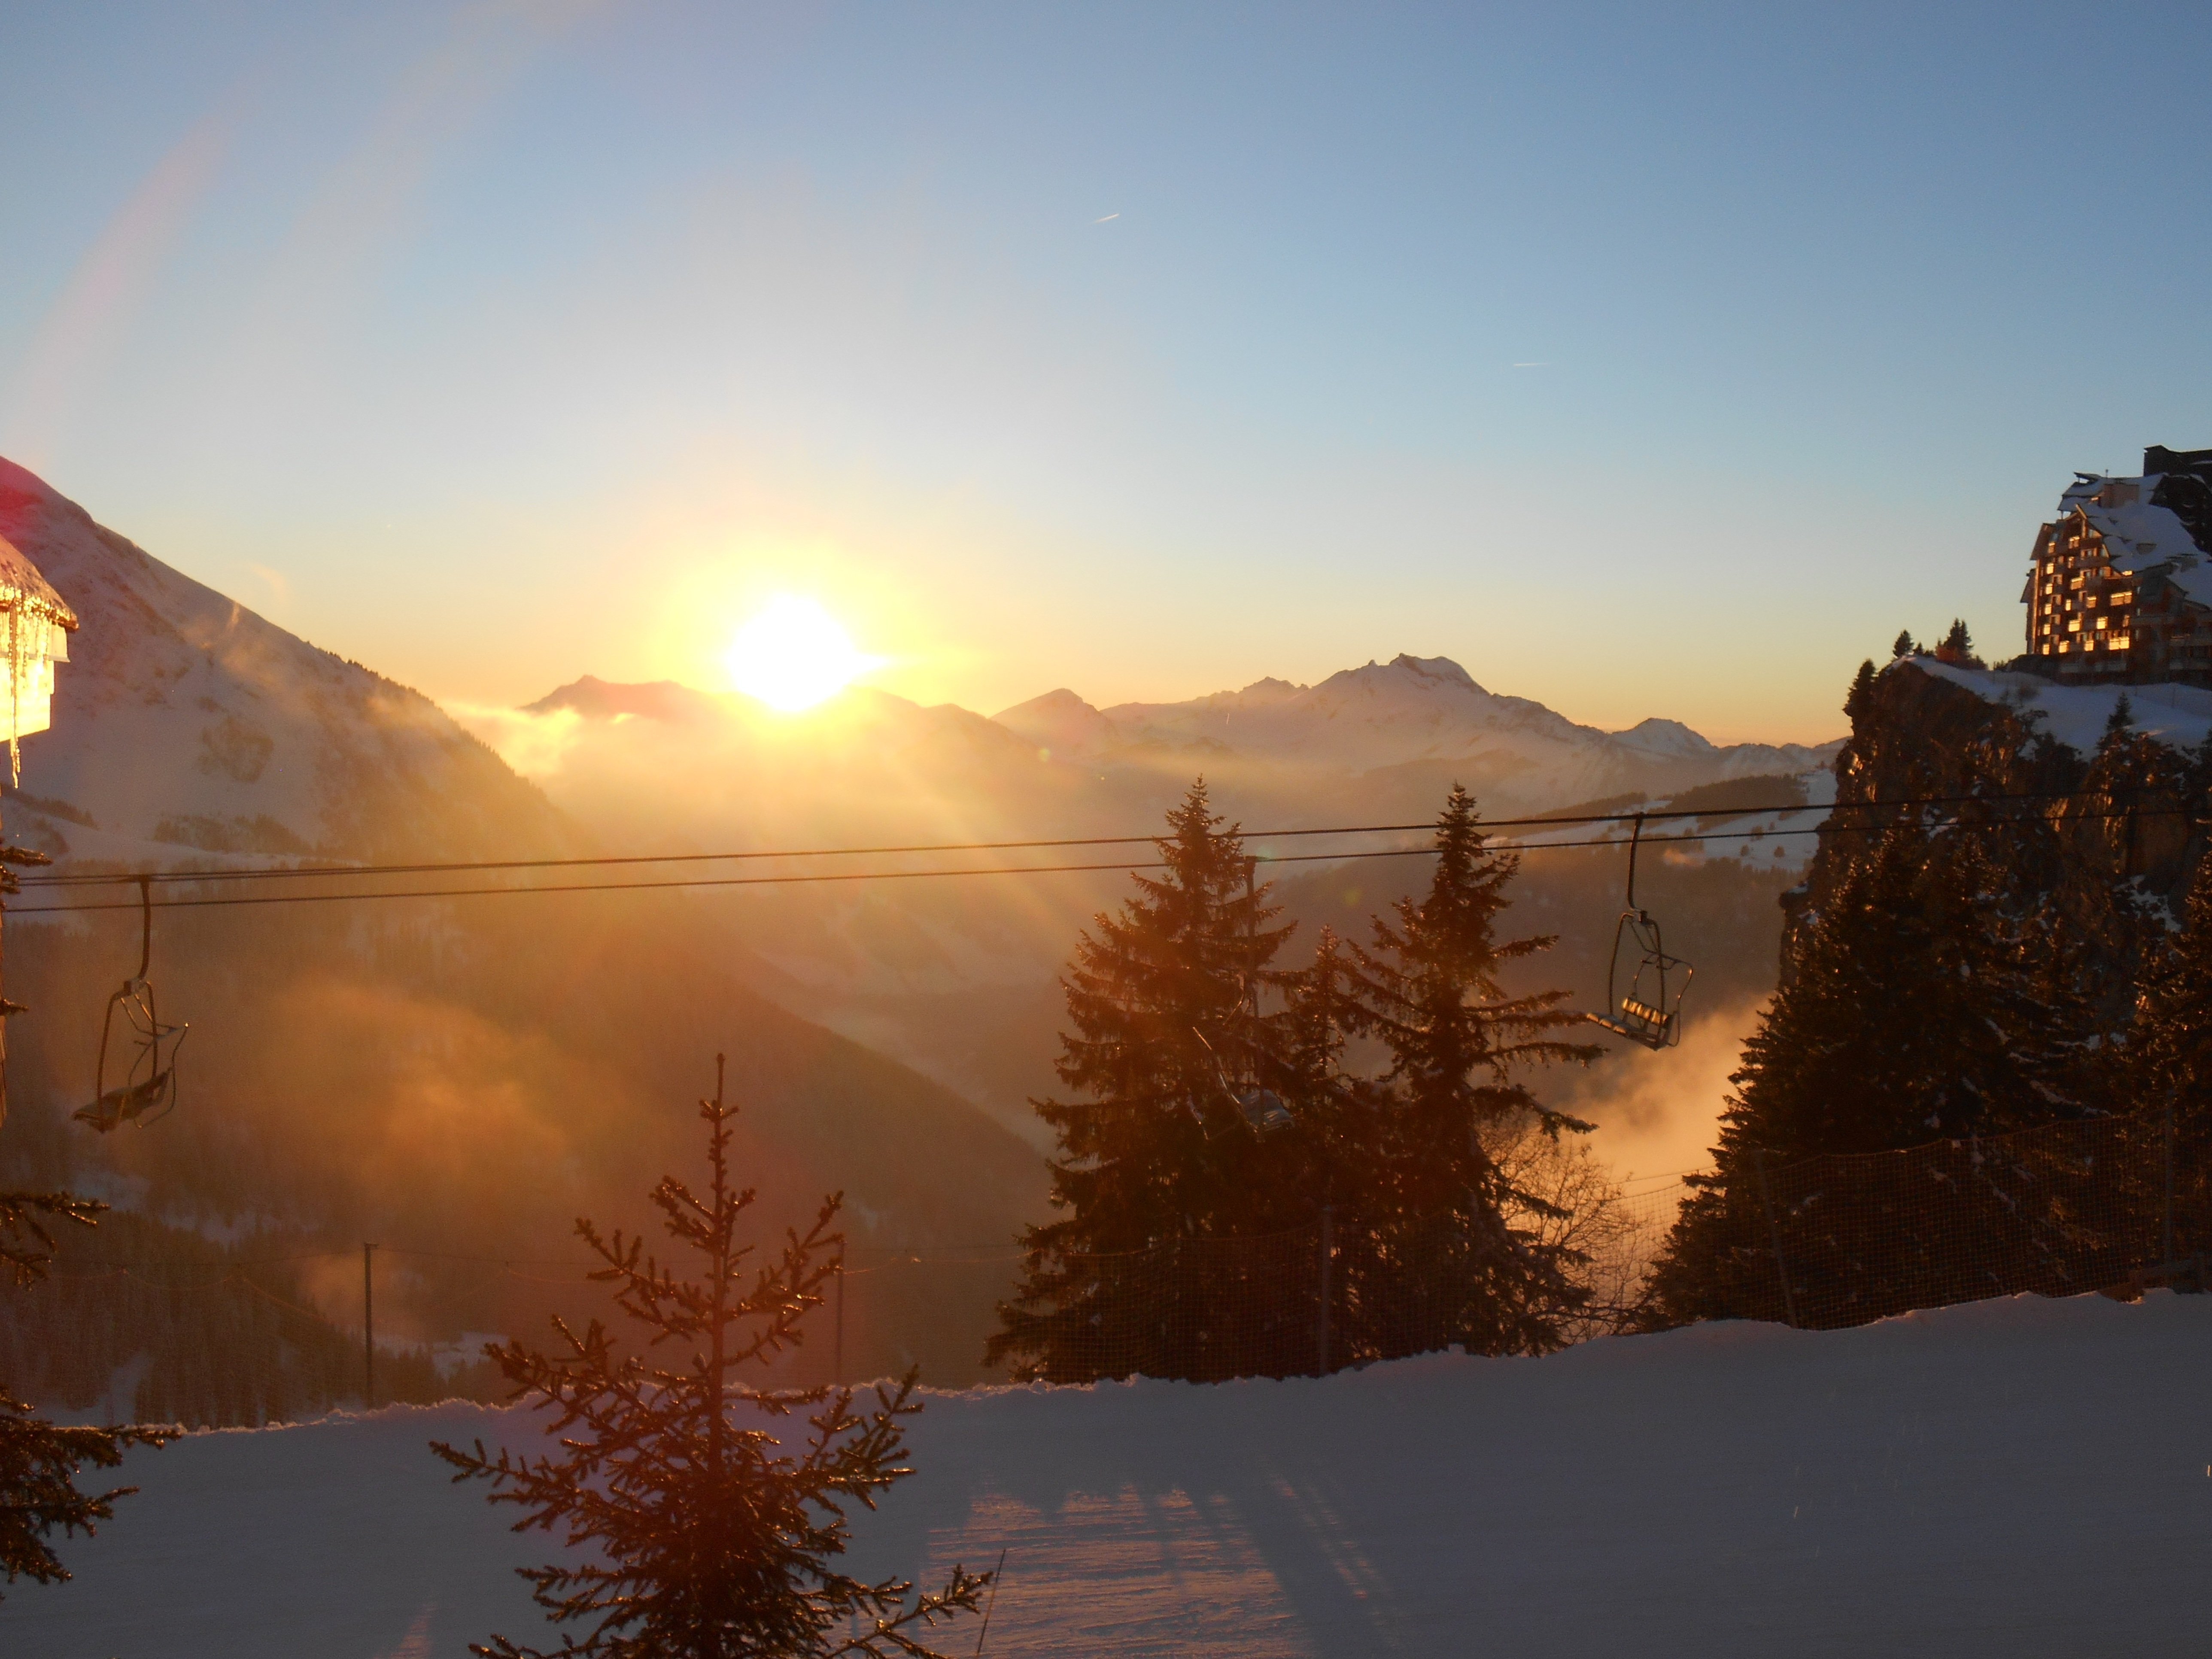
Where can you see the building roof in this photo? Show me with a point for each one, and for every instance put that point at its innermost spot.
(2141, 538)
(21, 584)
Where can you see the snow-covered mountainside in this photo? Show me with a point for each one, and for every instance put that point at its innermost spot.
(668, 765)
(184, 725)
(1409, 710)
(2011, 1479)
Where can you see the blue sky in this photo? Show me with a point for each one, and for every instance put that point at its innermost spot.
(1647, 360)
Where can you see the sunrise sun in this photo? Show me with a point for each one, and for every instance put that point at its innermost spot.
(793, 654)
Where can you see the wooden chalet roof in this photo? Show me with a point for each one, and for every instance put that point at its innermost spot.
(21, 586)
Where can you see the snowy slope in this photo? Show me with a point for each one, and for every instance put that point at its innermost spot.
(2018, 1477)
(184, 720)
(2180, 716)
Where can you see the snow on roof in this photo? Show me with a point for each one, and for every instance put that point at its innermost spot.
(2140, 538)
(20, 584)
(2180, 716)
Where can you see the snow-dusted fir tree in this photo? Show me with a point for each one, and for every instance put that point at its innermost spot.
(713, 1532)
(1437, 1207)
(1163, 1002)
(39, 1460)
(1919, 1007)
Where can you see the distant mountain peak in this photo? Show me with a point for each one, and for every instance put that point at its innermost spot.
(595, 699)
(1668, 738)
(1434, 668)
(1059, 723)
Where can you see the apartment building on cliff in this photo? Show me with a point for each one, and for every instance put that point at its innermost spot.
(2122, 585)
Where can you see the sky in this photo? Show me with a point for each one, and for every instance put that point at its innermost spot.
(1646, 361)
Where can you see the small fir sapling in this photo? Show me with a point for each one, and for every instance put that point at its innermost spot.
(39, 1460)
(710, 1538)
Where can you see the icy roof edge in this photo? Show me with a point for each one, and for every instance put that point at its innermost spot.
(22, 586)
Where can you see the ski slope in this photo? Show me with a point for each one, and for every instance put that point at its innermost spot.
(2014, 1477)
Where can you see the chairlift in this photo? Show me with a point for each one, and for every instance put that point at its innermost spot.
(1262, 1110)
(138, 1049)
(1644, 1012)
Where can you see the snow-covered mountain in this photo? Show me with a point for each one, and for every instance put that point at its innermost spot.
(1409, 711)
(184, 724)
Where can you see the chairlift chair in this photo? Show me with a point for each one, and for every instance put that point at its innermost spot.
(1262, 1110)
(1644, 1012)
(140, 1051)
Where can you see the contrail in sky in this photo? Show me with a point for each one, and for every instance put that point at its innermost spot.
(1100, 222)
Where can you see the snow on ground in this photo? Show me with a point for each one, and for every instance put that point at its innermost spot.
(2016, 1478)
(1786, 840)
(2180, 716)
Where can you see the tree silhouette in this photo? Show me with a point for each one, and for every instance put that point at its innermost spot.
(1163, 1001)
(1437, 1202)
(715, 1538)
(40, 1461)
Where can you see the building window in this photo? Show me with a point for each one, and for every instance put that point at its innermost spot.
(2117, 643)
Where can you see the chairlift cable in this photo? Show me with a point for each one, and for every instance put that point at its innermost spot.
(1545, 821)
(702, 882)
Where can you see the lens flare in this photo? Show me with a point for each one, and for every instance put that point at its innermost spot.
(794, 655)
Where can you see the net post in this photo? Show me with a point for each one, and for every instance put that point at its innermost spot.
(2166, 1237)
(1774, 1234)
(1321, 1320)
(368, 1328)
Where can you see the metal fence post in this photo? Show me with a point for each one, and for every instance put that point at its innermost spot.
(1320, 1321)
(368, 1328)
(1774, 1232)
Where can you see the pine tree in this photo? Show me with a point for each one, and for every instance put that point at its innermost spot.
(1904, 646)
(713, 1538)
(2169, 1049)
(1859, 702)
(40, 1461)
(1435, 1198)
(1958, 646)
(1164, 1000)
(1919, 1010)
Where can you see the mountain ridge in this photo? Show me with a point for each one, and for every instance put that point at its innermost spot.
(186, 721)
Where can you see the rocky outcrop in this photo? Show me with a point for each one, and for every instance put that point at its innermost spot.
(2101, 836)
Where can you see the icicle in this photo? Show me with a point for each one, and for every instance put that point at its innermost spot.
(15, 694)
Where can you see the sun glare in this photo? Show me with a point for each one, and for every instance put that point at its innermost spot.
(792, 655)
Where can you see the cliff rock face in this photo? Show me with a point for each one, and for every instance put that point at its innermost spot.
(2104, 829)
(2005, 861)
